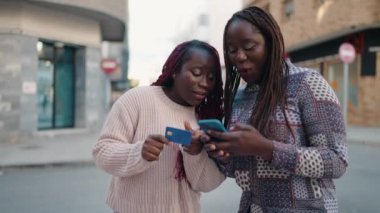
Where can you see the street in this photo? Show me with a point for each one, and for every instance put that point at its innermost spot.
(84, 188)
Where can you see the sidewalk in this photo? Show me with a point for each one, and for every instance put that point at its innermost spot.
(50, 148)
(75, 147)
(366, 135)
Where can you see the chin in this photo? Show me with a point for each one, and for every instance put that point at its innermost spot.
(196, 103)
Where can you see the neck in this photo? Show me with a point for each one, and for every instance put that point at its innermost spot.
(174, 96)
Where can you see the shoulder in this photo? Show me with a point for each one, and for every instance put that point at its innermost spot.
(300, 72)
(306, 75)
(301, 75)
(138, 91)
(241, 94)
(312, 82)
(137, 95)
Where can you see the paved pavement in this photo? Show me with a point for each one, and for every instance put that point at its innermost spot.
(61, 147)
(50, 148)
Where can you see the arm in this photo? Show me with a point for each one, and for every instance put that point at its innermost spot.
(321, 116)
(114, 151)
(202, 172)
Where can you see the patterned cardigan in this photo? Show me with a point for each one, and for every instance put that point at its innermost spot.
(299, 177)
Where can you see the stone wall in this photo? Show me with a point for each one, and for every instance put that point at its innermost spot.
(18, 65)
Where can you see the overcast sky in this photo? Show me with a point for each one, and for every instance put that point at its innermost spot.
(152, 27)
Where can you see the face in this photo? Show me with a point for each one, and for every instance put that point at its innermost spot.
(195, 80)
(246, 50)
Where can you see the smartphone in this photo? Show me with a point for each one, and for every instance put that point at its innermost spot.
(211, 124)
(179, 136)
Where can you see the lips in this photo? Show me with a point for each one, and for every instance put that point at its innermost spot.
(199, 95)
(243, 69)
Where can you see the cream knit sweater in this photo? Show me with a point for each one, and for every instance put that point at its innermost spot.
(141, 186)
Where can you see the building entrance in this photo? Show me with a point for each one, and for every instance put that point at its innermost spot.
(55, 86)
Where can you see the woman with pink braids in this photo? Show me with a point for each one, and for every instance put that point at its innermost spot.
(149, 173)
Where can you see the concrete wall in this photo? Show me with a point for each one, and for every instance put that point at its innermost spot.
(312, 22)
(18, 100)
(115, 8)
(368, 112)
(24, 18)
(22, 25)
(18, 66)
(96, 88)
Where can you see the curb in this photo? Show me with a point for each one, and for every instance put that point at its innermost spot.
(364, 142)
(48, 164)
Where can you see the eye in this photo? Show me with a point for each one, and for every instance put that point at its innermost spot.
(211, 76)
(249, 46)
(231, 49)
(196, 71)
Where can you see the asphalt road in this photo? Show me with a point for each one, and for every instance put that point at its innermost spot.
(83, 189)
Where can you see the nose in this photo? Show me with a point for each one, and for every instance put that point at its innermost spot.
(241, 56)
(205, 82)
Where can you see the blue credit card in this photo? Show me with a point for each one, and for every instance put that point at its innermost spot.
(179, 136)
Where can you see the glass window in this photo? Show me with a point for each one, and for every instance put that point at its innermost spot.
(288, 8)
(334, 76)
(55, 85)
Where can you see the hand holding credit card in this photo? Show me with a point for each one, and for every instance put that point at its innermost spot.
(179, 136)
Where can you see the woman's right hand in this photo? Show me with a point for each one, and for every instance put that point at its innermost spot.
(242, 140)
(153, 146)
(210, 147)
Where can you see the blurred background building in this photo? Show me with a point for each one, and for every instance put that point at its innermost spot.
(59, 61)
(63, 62)
(313, 32)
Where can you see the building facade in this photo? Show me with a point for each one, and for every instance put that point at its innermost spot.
(313, 32)
(50, 74)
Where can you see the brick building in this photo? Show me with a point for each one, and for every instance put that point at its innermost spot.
(313, 31)
(50, 54)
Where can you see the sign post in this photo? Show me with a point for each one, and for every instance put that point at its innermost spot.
(347, 55)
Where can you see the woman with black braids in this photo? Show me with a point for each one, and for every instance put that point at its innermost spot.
(150, 174)
(286, 139)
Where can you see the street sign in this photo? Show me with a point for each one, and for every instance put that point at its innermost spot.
(347, 53)
(109, 65)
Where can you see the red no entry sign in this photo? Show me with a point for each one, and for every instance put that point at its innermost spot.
(109, 65)
(347, 53)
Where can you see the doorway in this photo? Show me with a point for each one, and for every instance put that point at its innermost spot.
(55, 85)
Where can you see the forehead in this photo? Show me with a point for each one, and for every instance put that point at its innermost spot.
(198, 54)
(242, 29)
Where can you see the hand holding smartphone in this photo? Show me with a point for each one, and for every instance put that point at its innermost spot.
(211, 124)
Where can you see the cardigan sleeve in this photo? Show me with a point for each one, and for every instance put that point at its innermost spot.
(202, 172)
(114, 151)
(325, 155)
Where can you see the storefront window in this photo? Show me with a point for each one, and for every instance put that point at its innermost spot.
(55, 89)
(334, 75)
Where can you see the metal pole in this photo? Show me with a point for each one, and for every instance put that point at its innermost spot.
(125, 57)
(345, 92)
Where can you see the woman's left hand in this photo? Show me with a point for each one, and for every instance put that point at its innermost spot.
(196, 145)
(242, 139)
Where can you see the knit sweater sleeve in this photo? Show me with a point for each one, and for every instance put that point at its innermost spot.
(114, 151)
(202, 172)
(325, 155)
